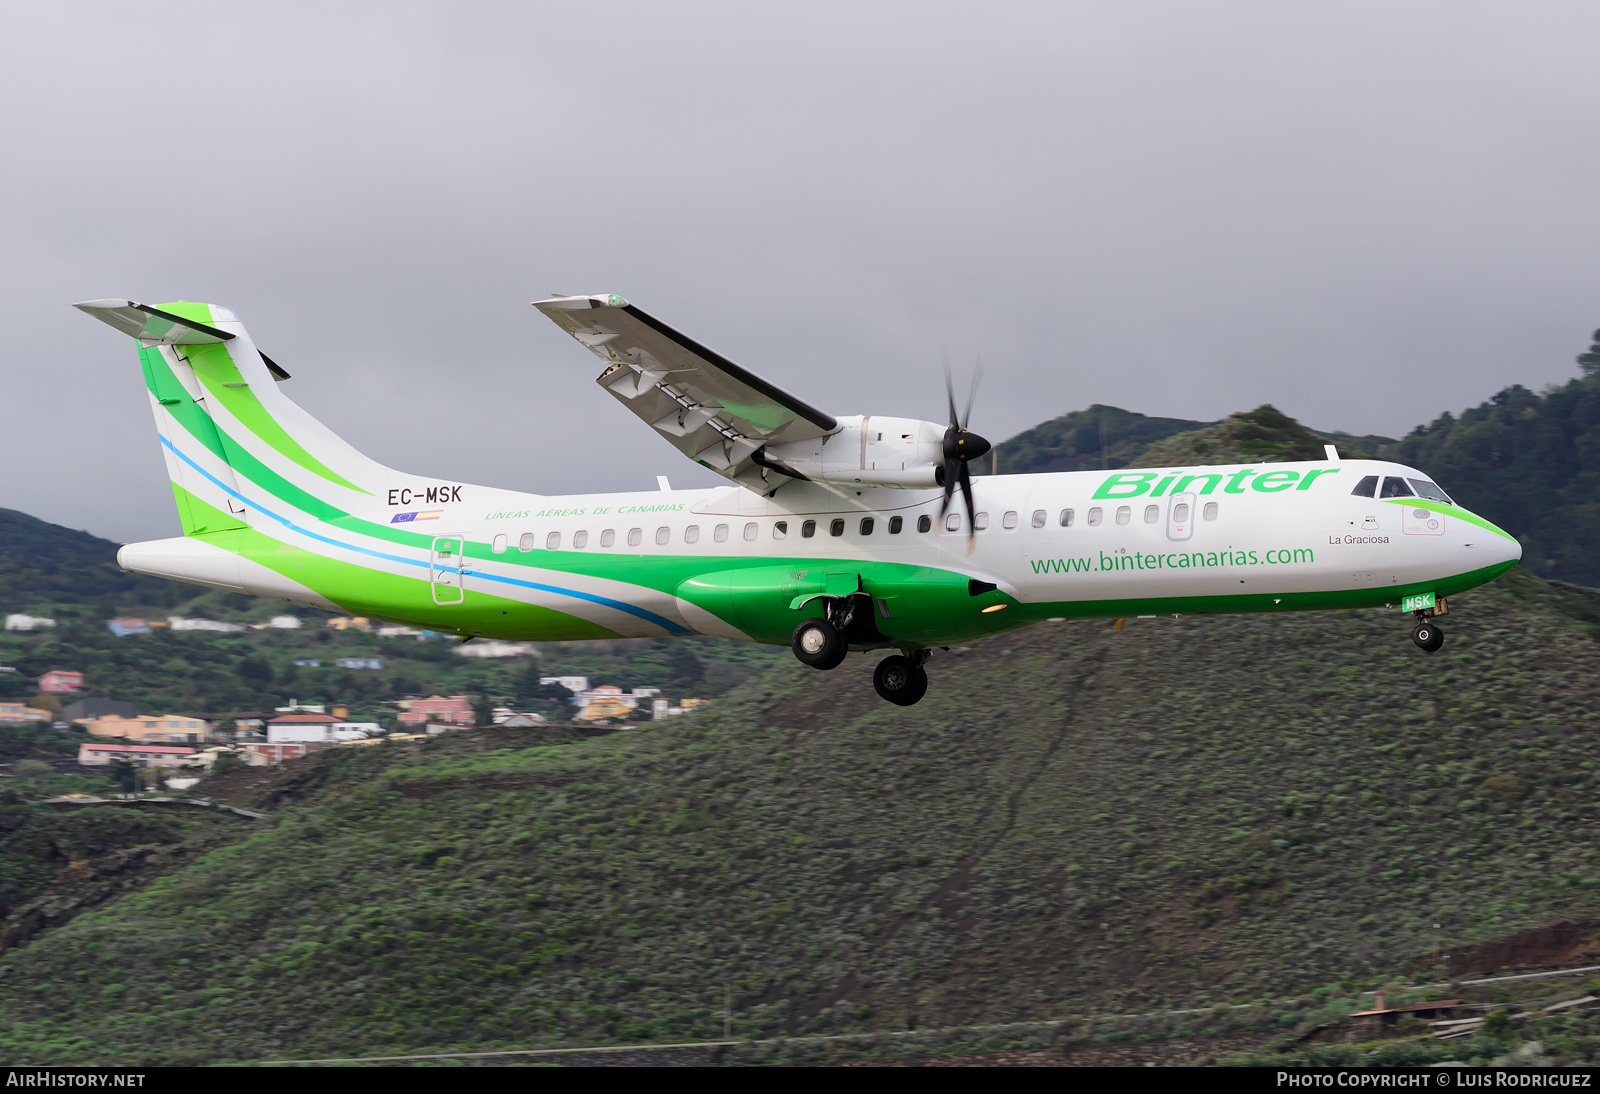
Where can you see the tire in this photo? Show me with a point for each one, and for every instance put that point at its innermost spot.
(818, 643)
(900, 682)
(1428, 636)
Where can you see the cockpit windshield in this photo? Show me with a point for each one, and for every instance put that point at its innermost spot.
(1396, 488)
(1366, 488)
(1426, 489)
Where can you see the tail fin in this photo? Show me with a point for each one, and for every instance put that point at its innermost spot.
(228, 434)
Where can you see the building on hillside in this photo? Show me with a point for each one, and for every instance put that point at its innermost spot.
(394, 630)
(101, 753)
(178, 623)
(438, 708)
(319, 729)
(297, 707)
(308, 663)
(13, 713)
(663, 708)
(244, 721)
(61, 682)
(1378, 1020)
(84, 709)
(359, 663)
(488, 647)
(346, 623)
(516, 719)
(16, 621)
(284, 623)
(208, 756)
(124, 627)
(573, 684)
(176, 728)
(690, 704)
(269, 753)
(605, 701)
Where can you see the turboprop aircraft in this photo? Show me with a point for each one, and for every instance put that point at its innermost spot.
(832, 534)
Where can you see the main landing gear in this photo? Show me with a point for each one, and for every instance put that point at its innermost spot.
(900, 679)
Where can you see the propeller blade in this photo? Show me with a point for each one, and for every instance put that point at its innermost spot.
(952, 472)
(972, 393)
(949, 387)
(966, 493)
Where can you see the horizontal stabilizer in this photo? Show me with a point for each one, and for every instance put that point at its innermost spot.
(152, 326)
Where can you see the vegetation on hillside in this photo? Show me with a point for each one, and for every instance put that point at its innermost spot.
(1076, 819)
(1530, 462)
(42, 564)
(1263, 435)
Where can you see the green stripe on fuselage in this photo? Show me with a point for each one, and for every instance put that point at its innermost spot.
(366, 591)
(215, 368)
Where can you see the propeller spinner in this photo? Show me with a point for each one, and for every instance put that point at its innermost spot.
(961, 446)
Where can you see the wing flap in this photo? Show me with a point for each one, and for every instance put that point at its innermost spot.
(714, 411)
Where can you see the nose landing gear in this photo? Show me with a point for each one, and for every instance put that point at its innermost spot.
(1428, 635)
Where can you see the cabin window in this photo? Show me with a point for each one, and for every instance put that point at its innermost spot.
(866, 526)
(924, 523)
(691, 534)
(780, 530)
(1152, 513)
(580, 539)
(808, 529)
(1210, 511)
(500, 544)
(526, 543)
(1366, 488)
(752, 530)
(1039, 517)
(552, 542)
(1426, 489)
(635, 536)
(1096, 515)
(980, 522)
(1009, 520)
(952, 523)
(836, 528)
(608, 537)
(720, 534)
(1066, 518)
(1124, 514)
(1396, 488)
(663, 536)
(895, 524)
(1180, 512)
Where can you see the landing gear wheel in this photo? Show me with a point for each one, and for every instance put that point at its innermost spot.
(818, 643)
(899, 681)
(1428, 636)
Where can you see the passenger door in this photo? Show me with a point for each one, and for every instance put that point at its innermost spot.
(447, 570)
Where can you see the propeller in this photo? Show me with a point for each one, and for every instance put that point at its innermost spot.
(961, 446)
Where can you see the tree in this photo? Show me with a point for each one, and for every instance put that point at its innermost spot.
(33, 771)
(482, 710)
(226, 762)
(1590, 361)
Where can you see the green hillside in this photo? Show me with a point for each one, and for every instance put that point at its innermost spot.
(43, 565)
(1076, 820)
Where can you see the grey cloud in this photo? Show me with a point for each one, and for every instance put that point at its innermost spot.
(1365, 214)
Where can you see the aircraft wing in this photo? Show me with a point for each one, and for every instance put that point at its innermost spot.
(710, 409)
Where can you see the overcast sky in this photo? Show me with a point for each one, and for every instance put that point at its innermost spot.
(1363, 213)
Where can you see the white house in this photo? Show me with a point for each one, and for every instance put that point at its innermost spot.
(178, 623)
(19, 622)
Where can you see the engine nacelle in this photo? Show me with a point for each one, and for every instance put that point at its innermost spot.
(875, 450)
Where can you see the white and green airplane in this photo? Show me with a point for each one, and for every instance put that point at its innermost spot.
(832, 534)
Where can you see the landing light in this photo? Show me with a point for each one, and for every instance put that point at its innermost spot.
(995, 608)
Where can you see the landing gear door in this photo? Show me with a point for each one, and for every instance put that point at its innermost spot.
(1180, 517)
(447, 570)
